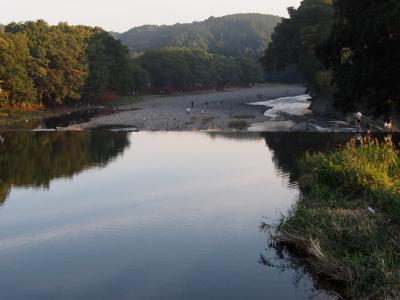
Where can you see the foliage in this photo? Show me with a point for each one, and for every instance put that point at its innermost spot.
(348, 51)
(364, 51)
(110, 67)
(15, 84)
(44, 65)
(184, 69)
(235, 35)
(57, 55)
(370, 170)
(295, 40)
(49, 65)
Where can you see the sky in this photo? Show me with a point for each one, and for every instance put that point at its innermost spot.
(121, 15)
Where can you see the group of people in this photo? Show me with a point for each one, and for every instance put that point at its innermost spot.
(388, 125)
(189, 108)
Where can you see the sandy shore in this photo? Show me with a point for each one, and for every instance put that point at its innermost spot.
(211, 110)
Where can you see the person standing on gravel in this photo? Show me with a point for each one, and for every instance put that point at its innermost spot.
(388, 125)
(358, 119)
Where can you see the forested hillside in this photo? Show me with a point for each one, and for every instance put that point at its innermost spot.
(349, 52)
(234, 35)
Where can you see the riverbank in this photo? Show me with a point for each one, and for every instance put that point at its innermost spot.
(264, 108)
(20, 119)
(60, 116)
(346, 226)
(213, 110)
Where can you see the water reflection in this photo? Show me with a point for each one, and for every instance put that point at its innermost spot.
(174, 217)
(34, 159)
(287, 261)
(288, 147)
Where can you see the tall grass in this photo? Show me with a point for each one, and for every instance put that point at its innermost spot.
(347, 221)
(369, 170)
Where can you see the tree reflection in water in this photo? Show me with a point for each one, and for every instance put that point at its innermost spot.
(34, 159)
(288, 147)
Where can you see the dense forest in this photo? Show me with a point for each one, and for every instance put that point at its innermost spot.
(348, 51)
(43, 65)
(234, 35)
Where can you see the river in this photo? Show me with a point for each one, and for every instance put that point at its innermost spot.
(118, 215)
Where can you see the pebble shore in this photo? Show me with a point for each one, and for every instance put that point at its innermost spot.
(211, 110)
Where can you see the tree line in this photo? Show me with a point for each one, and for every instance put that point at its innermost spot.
(189, 69)
(43, 65)
(348, 51)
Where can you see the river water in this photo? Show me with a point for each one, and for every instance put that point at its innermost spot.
(117, 215)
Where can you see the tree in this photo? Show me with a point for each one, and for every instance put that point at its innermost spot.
(110, 67)
(251, 71)
(296, 40)
(364, 52)
(58, 66)
(16, 85)
(185, 69)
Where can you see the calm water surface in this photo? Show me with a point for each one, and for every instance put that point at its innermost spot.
(101, 215)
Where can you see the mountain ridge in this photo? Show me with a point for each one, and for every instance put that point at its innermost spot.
(231, 35)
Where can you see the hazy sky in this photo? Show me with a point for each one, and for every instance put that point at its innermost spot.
(120, 15)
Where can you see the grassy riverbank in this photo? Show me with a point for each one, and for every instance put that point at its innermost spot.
(346, 224)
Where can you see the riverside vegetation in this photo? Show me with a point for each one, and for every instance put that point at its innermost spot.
(346, 224)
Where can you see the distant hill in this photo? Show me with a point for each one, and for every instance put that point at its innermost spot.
(234, 35)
